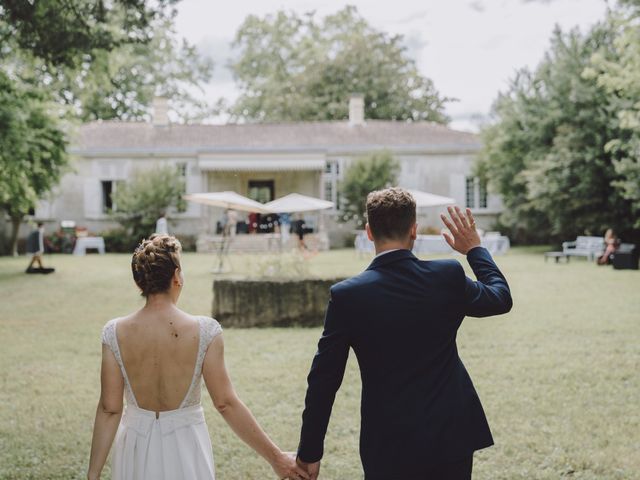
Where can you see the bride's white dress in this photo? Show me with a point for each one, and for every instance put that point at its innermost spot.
(174, 446)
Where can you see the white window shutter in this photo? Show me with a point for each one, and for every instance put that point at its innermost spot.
(92, 198)
(457, 188)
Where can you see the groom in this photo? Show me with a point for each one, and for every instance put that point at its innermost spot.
(420, 415)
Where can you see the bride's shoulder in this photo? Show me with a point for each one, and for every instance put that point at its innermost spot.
(210, 326)
(108, 331)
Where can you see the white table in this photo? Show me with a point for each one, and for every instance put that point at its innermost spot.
(82, 243)
(496, 244)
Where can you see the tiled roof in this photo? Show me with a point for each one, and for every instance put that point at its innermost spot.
(123, 137)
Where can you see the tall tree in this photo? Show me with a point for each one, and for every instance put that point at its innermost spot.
(545, 151)
(370, 172)
(121, 83)
(291, 67)
(61, 31)
(32, 151)
(620, 76)
(102, 59)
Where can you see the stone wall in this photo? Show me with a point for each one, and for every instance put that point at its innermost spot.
(271, 302)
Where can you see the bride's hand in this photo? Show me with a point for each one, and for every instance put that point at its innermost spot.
(285, 466)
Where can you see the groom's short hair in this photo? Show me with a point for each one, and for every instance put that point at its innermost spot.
(391, 213)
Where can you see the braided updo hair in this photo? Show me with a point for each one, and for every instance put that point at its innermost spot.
(154, 262)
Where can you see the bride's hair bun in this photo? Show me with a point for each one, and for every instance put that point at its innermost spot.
(154, 263)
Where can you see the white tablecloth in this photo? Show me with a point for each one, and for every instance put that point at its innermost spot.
(82, 243)
(496, 244)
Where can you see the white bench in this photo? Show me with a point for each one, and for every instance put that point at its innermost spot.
(590, 247)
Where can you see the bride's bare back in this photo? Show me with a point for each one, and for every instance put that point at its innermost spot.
(159, 351)
(156, 359)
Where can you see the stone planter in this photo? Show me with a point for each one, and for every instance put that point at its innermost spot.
(271, 302)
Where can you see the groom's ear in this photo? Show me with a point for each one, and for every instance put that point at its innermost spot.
(414, 231)
(368, 229)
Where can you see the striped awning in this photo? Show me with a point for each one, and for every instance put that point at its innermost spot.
(261, 165)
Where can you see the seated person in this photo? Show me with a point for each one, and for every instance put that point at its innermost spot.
(611, 245)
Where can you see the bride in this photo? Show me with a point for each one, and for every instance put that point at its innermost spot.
(157, 358)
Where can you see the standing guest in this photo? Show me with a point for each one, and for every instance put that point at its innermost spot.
(35, 247)
(254, 218)
(222, 224)
(299, 229)
(232, 223)
(285, 226)
(161, 225)
(611, 242)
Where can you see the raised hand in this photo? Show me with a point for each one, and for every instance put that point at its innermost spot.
(313, 469)
(286, 467)
(463, 236)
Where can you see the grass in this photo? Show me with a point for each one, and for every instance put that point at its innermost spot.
(558, 376)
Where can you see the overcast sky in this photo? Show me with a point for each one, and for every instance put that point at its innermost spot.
(469, 48)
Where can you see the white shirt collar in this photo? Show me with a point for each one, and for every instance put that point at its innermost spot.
(387, 251)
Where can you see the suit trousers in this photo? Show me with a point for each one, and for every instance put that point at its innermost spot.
(460, 470)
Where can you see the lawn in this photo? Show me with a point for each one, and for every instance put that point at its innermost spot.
(558, 376)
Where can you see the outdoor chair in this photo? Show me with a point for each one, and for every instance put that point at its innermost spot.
(583, 246)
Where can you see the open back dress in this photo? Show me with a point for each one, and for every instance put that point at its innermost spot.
(172, 445)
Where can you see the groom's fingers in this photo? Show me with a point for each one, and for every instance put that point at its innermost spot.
(302, 473)
(470, 219)
(448, 239)
(462, 218)
(448, 224)
(456, 220)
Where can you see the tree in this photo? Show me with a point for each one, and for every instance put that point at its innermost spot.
(141, 200)
(545, 151)
(32, 151)
(368, 173)
(62, 31)
(121, 83)
(293, 68)
(620, 77)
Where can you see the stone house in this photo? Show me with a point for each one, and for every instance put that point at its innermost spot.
(262, 161)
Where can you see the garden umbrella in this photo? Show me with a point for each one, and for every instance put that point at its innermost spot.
(296, 203)
(231, 200)
(425, 199)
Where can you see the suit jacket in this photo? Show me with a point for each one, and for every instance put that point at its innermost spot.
(400, 317)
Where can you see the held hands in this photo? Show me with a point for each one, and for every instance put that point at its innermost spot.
(286, 467)
(313, 469)
(463, 236)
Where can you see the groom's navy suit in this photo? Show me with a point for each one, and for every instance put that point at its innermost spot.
(419, 407)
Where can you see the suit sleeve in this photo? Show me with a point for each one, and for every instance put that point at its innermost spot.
(325, 377)
(490, 294)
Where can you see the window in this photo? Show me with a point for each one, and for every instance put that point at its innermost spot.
(107, 192)
(182, 169)
(328, 190)
(475, 193)
(482, 187)
(331, 180)
(261, 190)
(471, 192)
(109, 187)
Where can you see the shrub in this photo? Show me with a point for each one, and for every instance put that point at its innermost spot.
(119, 241)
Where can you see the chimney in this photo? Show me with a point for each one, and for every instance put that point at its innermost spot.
(160, 115)
(356, 109)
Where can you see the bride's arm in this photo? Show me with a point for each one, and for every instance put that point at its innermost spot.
(108, 412)
(238, 416)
